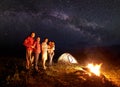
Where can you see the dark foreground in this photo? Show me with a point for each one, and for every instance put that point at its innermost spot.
(14, 74)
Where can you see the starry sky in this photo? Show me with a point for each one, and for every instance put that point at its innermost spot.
(72, 24)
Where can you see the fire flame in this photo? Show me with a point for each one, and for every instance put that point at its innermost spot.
(94, 68)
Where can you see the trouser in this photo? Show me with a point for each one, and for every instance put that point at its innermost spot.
(50, 58)
(44, 58)
(28, 58)
(36, 60)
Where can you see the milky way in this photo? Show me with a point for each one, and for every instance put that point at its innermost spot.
(70, 23)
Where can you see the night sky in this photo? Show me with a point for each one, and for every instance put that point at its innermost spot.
(72, 24)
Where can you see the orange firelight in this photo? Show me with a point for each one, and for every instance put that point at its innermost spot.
(94, 68)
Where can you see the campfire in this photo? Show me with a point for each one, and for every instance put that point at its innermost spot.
(94, 68)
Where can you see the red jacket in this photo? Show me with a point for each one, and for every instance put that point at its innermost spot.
(37, 48)
(28, 43)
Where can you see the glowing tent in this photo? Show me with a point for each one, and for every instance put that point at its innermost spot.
(67, 58)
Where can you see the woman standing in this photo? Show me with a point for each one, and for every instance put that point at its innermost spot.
(51, 52)
(37, 51)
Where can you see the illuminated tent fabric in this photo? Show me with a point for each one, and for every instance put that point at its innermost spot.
(67, 58)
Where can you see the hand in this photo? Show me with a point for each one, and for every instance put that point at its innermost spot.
(32, 47)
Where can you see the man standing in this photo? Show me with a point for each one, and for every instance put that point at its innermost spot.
(44, 52)
(28, 43)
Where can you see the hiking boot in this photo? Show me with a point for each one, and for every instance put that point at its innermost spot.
(36, 68)
(44, 67)
(27, 67)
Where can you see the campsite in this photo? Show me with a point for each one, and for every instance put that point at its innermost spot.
(63, 73)
(83, 38)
